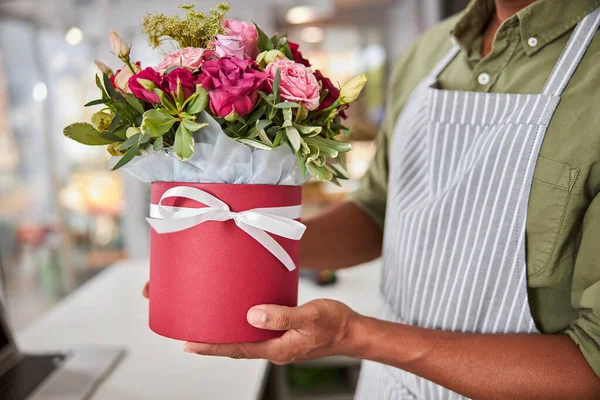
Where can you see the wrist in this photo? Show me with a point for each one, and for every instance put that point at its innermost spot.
(359, 332)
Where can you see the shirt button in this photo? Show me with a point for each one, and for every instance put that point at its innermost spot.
(483, 78)
(532, 41)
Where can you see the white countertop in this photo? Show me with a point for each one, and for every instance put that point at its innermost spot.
(110, 310)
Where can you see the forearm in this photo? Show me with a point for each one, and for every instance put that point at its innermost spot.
(342, 236)
(519, 366)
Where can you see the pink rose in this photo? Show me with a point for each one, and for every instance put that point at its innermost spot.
(142, 93)
(184, 76)
(247, 32)
(189, 57)
(231, 84)
(298, 84)
(229, 46)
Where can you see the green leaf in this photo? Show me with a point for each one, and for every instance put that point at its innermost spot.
(135, 103)
(109, 87)
(314, 152)
(96, 102)
(321, 173)
(145, 138)
(262, 124)
(132, 141)
(157, 122)
(125, 110)
(276, 83)
(287, 104)
(184, 143)
(293, 137)
(264, 43)
(265, 98)
(85, 133)
(193, 126)
(127, 157)
(301, 114)
(341, 147)
(171, 69)
(286, 50)
(278, 138)
(255, 143)
(101, 87)
(121, 132)
(338, 171)
(158, 144)
(199, 103)
(255, 116)
(308, 130)
(115, 123)
(301, 162)
(264, 138)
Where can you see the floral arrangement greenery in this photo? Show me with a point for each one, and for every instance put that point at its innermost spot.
(260, 89)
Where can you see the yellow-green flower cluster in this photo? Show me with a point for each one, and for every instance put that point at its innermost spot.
(196, 29)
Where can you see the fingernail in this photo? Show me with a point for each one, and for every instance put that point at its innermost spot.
(257, 317)
(188, 348)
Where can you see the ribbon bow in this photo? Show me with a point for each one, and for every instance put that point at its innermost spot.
(255, 222)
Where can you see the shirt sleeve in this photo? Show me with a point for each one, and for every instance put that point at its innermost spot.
(371, 197)
(585, 329)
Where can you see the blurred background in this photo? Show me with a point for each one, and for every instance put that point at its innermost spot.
(63, 216)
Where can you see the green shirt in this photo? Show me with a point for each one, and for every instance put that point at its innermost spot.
(563, 220)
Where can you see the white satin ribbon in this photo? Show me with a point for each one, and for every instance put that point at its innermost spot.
(255, 222)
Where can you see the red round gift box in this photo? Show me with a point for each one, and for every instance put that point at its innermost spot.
(203, 280)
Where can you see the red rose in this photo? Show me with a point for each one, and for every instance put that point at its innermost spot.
(184, 76)
(297, 55)
(142, 93)
(231, 84)
(333, 93)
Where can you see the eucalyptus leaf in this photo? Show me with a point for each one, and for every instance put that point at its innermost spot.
(276, 83)
(157, 122)
(255, 143)
(184, 143)
(255, 116)
(278, 138)
(287, 104)
(85, 133)
(262, 124)
(293, 137)
(127, 157)
(264, 138)
(265, 97)
(132, 141)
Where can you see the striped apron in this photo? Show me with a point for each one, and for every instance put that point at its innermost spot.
(461, 169)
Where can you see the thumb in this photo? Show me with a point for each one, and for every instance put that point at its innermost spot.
(278, 318)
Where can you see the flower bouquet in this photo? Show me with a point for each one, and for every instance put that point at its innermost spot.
(226, 128)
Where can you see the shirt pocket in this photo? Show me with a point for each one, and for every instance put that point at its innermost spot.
(548, 202)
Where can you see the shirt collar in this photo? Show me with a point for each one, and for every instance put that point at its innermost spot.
(546, 20)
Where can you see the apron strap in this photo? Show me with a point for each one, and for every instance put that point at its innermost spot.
(572, 54)
(443, 63)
